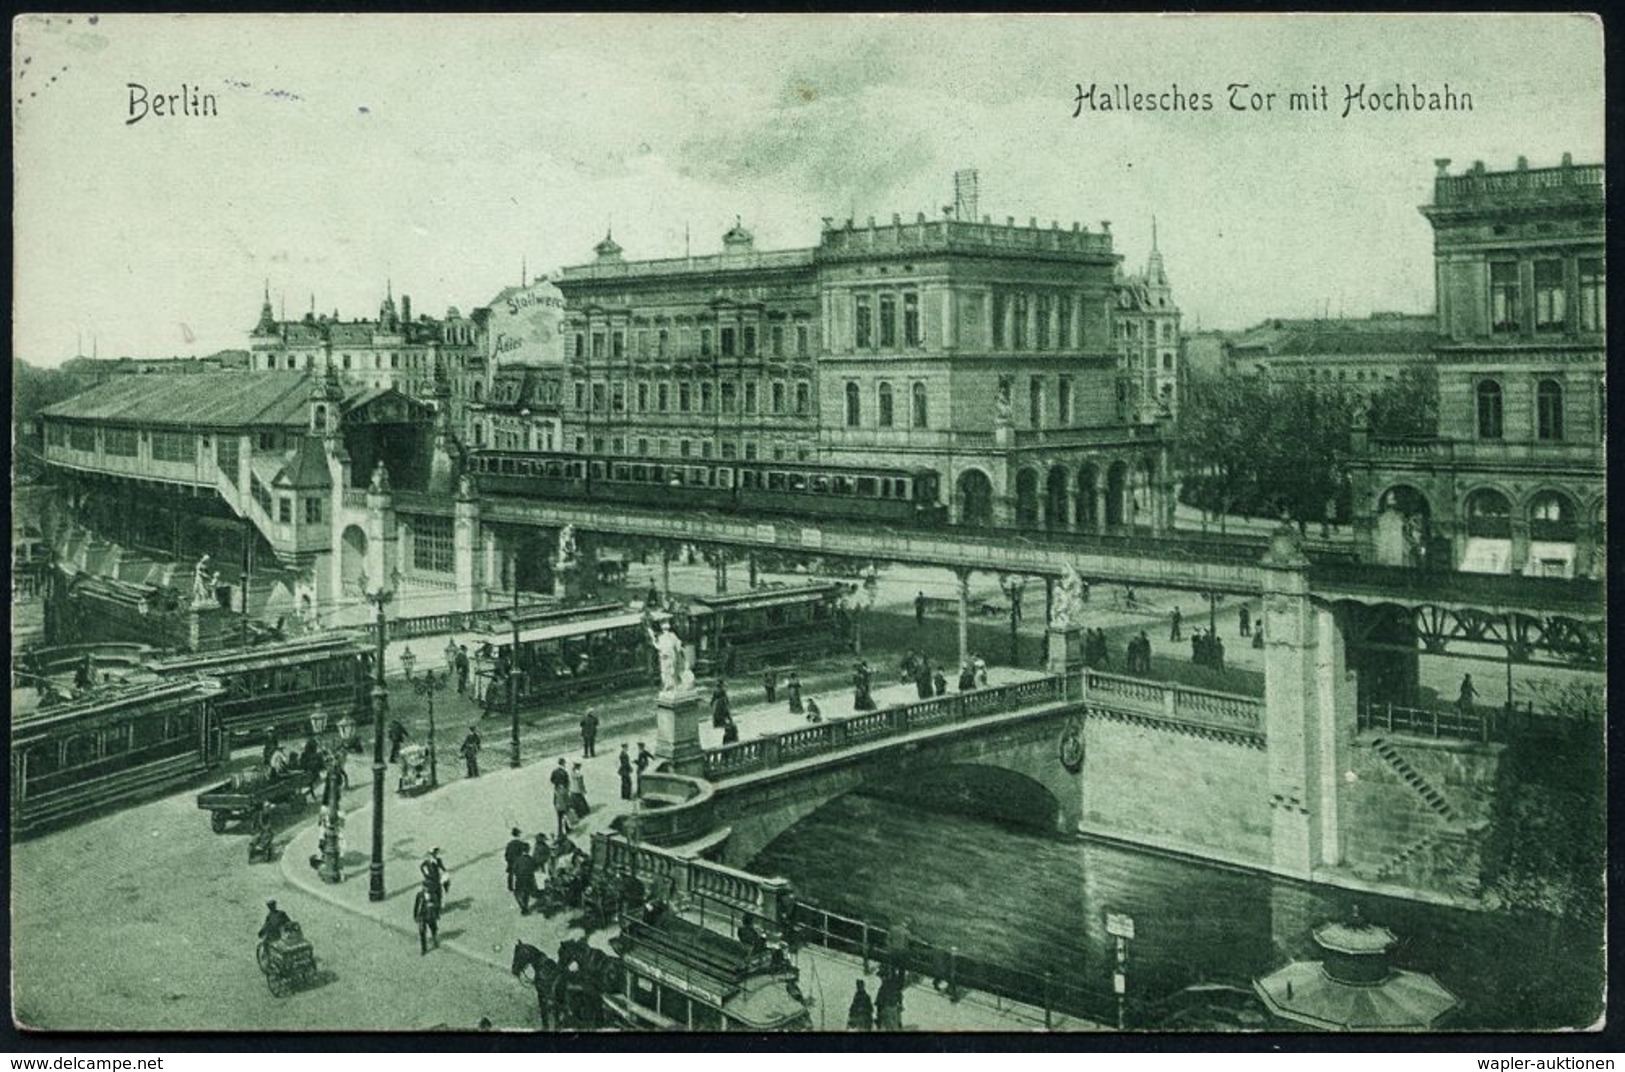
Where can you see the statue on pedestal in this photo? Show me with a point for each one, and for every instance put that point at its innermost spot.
(1068, 603)
(567, 548)
(203, 583)
(674, 672)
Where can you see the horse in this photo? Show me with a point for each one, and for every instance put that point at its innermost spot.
(546, 975)
(586, 975)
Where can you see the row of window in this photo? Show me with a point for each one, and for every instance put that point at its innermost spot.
(661, 343)
(1026, 320)
(1129, 329)
(727, 449)
(313, 510)
(1548, 409)
(1551, 306)
(872, 332)
(885, 406)
(703, 396)
(432, 545)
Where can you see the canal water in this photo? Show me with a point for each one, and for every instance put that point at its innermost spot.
(1005, 894)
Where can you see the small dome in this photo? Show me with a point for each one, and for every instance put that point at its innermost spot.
(608, 247)
(737, 237)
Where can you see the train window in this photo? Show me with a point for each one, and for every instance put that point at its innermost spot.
(885, 487)
(81, 749)
(146, 732)
(725, 477)
(798, 482)
(747, 479)
(902, 489)
(43, 759)
(842, 485)
(554, 469)
(776, 482)
(597, 470)
(698, 476)
(867, 486)
(639, 474)
(617, 472)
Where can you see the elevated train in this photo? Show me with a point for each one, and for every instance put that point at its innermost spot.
(878, 494)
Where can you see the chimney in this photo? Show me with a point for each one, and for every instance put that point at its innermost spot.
(406, 308)
(1523, 163)
(1443, 164)
(1568, 159)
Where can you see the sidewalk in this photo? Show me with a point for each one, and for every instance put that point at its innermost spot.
(470, 819)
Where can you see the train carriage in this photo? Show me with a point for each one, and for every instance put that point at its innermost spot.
(111, 746)
(766, 627)
(275, 687)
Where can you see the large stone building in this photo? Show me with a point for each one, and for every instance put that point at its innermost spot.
(986, 352)
(391, 351)
(1514, 482)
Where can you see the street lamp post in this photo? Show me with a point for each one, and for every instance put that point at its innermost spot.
(1013, 583)
(427, 686)
(513, 678)
(380, 709)
(329, 869)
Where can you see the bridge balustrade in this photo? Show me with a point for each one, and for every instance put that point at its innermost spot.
(680, 877)
(1175, 704)
(771, 750)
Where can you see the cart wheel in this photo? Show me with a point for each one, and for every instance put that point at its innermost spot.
(263, 957)
(277, 984)
(218, 821)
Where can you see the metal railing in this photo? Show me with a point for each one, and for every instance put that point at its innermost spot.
(948, 969)
(833, 735)
(1482, 724)
(455, 621)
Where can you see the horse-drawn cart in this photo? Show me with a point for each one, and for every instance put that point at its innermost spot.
(289, 963)
(245, 794)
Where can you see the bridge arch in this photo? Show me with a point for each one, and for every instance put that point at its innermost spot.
(1116, 492)
(974, 495)
(1487, 511)
(1403, 526)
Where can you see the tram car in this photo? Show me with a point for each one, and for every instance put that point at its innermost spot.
(566, 654)
(275, 687)
(112, 745)
(680, 976)
(766, 627)
(909, 496)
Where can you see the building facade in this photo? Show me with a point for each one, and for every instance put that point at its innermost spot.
(984, 352)
(1149, 372)
(1514, 482)
(1356, 354)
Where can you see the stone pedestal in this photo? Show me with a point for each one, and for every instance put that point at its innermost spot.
(677, 729)
(1066, 656)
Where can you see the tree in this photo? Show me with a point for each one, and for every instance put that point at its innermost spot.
(1407, 407)
(1276, 449)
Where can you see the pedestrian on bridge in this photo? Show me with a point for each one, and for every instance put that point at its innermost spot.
(919, 608)
(770, 684)
(1246, 621)
(578, 791)
(860, 1016)
(451, 658)
(524, 879)
(1466, 697)
(397, 737)
(644, 759)
(462, 670)
(1173, 625)
(1258, 634)
(426, 914)
(624, 769)
(940, 680)
(792, 689)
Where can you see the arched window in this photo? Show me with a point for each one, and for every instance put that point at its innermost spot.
(853, 407)
(919, 406)
(1549, 409)
(1489, 409)
(885, 418)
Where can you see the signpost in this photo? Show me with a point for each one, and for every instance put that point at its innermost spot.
(1120, 927)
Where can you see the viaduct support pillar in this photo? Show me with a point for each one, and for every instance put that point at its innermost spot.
(382, 532)
(1308, 713)
(962, 576)
(467, 553)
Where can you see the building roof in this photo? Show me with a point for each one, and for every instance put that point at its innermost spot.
(1342, 336)
(204, 399)
(307, 468)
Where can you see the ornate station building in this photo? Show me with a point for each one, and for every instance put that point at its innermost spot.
(1514, 481)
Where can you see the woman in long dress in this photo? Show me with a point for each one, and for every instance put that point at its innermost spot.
(792, 689)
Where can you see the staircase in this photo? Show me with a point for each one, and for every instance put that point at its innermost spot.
(1430, 796)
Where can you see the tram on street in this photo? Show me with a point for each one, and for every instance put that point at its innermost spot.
(681, 976)
(110, 745)
(782, 487)
(275, 687)
(573, 655)
(766, 627)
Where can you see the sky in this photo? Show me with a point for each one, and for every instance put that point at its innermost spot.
(437, 154)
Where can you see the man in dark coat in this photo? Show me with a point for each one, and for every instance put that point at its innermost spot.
(517, 847)
(1173, 625)
(644, 759)
(462, 670)
(860, 1016)
(770, 685)
(397, 737)
(276, 921)
(792, 689)
(623, 767)
(940, 680)
(524, 879)
(589, 734)
(1246, 621)
(923, 685)
(470, 751)
(426, 914)
(919, 608)
(720, 708)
